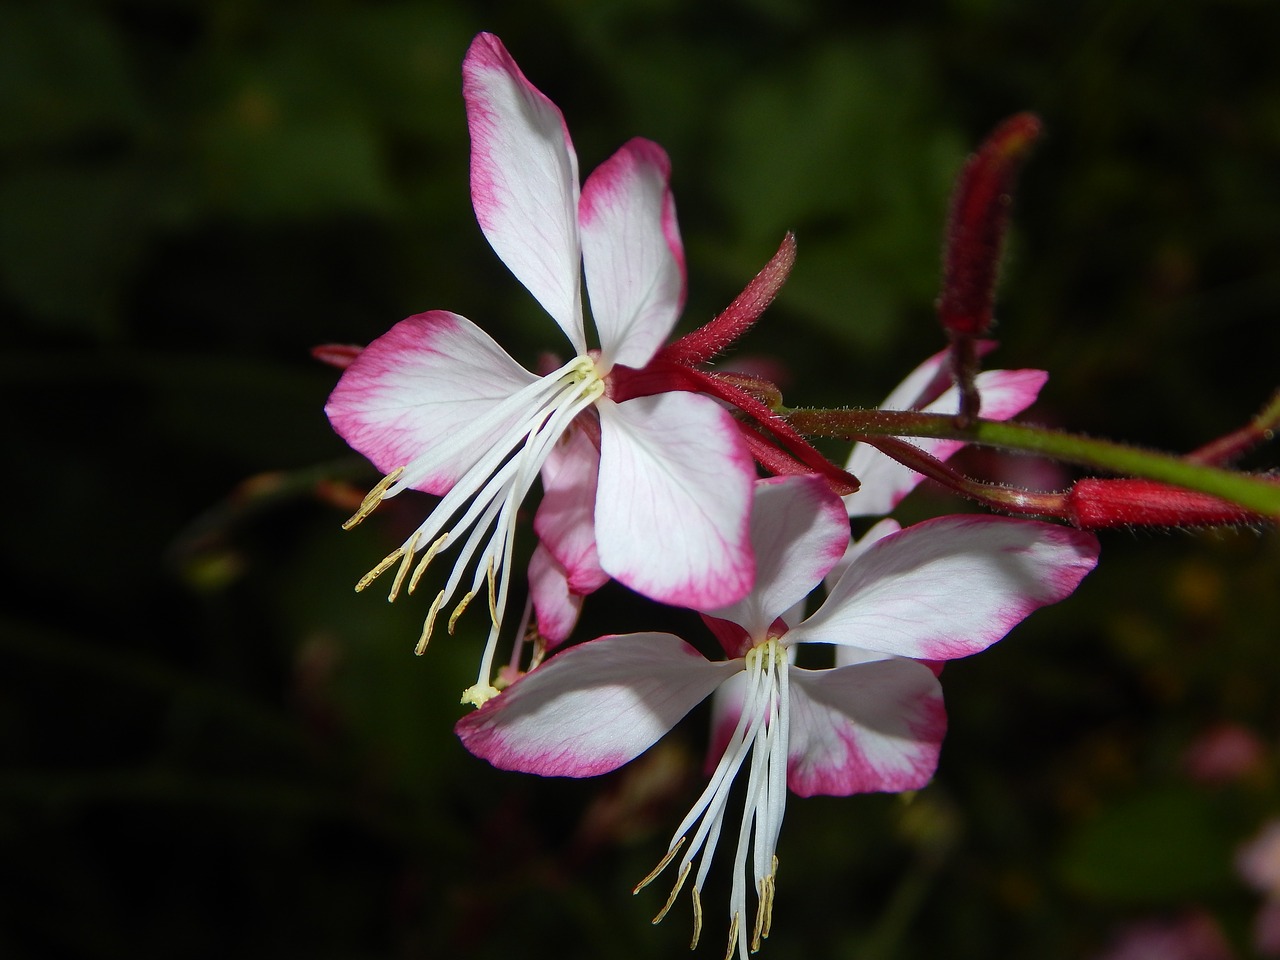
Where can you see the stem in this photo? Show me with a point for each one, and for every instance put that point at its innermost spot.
(1259, 494)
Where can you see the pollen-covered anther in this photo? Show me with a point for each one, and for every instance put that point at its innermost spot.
(460, 608)
(764, 911)
(662, 865)
(697, 919)
(385, 564)
(427, 557)
(733, 937)
(675, 892)
(428, 625)
(373, 498)
(406, 559)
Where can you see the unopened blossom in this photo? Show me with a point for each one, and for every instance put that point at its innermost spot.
(439, 407)
(942, 589)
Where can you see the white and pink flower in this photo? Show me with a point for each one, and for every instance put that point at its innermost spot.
(439, 407)
(942, 589)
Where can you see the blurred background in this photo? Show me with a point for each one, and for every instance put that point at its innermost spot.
(210, 746)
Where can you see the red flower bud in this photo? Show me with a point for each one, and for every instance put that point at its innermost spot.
(1093, 504)
(978, 223)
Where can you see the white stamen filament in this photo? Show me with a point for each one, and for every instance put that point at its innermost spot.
(762, 732)
(486, 497)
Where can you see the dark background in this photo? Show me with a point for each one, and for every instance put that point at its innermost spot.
(211, 747)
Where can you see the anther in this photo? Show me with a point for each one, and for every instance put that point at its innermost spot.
(373, 498)
(429, 624)
(733, 938)
(697, 919)
(675, 892)
(458, 610)
(662, 865)
(406, 552)
(383, 566)
(493, 597)
(427, 557)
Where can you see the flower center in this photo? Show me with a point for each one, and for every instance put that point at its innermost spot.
(762, 732)
(506, 448)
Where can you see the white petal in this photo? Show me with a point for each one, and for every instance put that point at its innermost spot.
(950, 587)
(674, 500)
(885, 481)
(632, 254)
(871, 727)
(799, 531)
(422, 382)
(565, 521)
(593, 707)
(524, 181)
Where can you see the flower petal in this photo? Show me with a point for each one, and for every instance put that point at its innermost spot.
(674, 500)
(950, 587)
(593, 707)
(799, 531)
(524, 181)
(871, 727)
(422, 382)
(885, 481)
(632, 254)
(557, 607)
(565, 521)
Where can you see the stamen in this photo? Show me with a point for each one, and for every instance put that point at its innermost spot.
(733, 938)
(457, 611)
(407, 552)
(373, 498)
(493, 603)
(428, 625)
(675, 892)
(427, 557)
(662, 865)
(697, 919)
(385, 564)
(764, 912)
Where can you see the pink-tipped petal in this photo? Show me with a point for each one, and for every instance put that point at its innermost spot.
(593, 707)
(524, 181)
(556, 607)
(632, 254)
(799, 531)
(565, 521)
(674, 500)
(875, 726)
(420, 383)
(950, 586)
(885, 481)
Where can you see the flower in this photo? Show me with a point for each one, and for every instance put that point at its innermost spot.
(439, 407)
(941, 589)
(885, 481)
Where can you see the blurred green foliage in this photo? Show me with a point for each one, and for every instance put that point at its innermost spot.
(212, 747)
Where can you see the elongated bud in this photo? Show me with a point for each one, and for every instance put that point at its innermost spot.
(1093, 504)
(978, 224)
(340, 355)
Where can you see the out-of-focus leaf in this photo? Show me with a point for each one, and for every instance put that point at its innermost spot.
(1164, 846)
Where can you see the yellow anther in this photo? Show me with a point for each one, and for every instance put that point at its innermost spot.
(675, 892)
(764, 912)
(457, 611)
(406, 559)
(383, 566)
(662, 865)
(697, 919)
(427, 557)
(493, 597)
(429, 624)
(733, 938)
(373, 498)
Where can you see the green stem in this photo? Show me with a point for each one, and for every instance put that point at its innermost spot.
(1259, 494)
